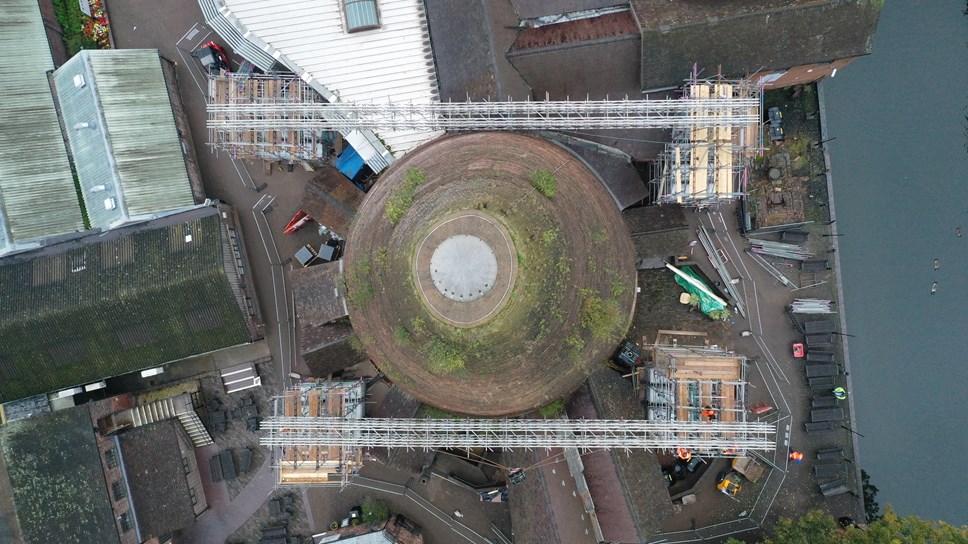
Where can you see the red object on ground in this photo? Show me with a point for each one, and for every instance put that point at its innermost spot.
(297, 222)
(796, 456)
(798, 350)
(218, 49)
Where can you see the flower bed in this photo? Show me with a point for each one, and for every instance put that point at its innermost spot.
(81, 31)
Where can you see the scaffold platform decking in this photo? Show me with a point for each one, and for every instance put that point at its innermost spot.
(528, 115)
(586, 434)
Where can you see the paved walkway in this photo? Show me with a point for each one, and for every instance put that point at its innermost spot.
(224, 517)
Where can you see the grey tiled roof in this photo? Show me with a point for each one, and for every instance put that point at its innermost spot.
(747, 36)
(156, 477)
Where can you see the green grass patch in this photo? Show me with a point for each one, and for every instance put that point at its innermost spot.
(432, 412)
(402, 335)
(444, 357)
(402, 197)
(549, 236)
(359, 290)
(553, 410)
(417, 324)
(575, 344)
(599, 316)
(356, 344)
(542, 331)
(598, 235)
(544, 182)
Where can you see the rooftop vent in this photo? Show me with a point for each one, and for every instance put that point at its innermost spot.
(110, 203)
(79, 81)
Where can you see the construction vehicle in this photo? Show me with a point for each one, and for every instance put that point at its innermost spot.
(729, 482)
(748, 468)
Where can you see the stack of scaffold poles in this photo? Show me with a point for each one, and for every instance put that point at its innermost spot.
(779, 249)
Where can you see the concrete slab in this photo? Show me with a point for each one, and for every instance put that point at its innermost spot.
(463, 268)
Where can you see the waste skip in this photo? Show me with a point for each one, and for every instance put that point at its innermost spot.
(836, 487)
(818, 370)
(826, 414)
(828, 454)
(824, 402)
(818, 427)
(830, 470)
(822, 326)
(819, 338)
(819, 357)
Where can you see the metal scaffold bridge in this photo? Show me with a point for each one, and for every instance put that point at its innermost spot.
(528, 115)
(727, 439)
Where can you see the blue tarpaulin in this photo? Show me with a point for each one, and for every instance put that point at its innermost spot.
(349, 162)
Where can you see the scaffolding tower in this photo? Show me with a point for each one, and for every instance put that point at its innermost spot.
(319, 464)
(705, 164)
(682, 381)
(277, 116)
(501, 434)
(277, 143)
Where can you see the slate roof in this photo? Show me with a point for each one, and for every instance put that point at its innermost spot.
(121, 131)
(58, 483)
(332, 200)
(105, 305)
(156, 478)
(328, 358)
(749, 36)
(613, 168)
(37, 196)
(318, 293)
(595, 57)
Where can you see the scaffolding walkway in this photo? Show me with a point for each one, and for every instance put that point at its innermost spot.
(732, 438)
(543, 115)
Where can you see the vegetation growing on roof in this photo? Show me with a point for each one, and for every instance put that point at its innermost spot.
(552, 410)
(600, 316)
(67, 317)
(545, 182)
(402, 197)
(58, 484)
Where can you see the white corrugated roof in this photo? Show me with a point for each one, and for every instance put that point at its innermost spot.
(37, 196)
(122, 134)
(394, 62)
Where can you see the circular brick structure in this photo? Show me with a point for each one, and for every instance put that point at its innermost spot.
(473, 291)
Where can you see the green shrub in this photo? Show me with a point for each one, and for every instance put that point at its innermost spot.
(402, 197)
(72, 21)
(545, 183)
(375, 511)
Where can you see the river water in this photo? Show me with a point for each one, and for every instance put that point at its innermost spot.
(900, 174)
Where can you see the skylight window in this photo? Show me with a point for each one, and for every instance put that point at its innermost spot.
(361, 15)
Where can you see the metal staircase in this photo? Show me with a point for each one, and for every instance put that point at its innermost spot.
(179, 407)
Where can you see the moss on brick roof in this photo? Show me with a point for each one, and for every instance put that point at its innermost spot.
(58, 484)
(106, 306)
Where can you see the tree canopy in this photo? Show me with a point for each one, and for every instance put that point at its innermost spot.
(816, 527)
